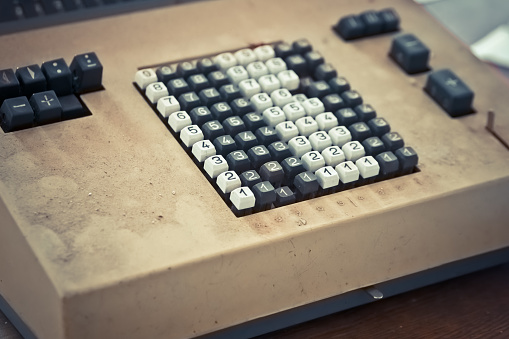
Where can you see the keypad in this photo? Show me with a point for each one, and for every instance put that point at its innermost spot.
(275, 124)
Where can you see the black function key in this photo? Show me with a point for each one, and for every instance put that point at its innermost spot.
(372, 21)
(450, 92)
(46, 106)
(410, 53)
(350, 27)
(71, 107)
(9, 85)
(31, 79)
(87, 72)
(390, 20)
(58, 75)
(16, 114)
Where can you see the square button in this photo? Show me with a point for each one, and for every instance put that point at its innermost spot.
(16, 114)
(46, 107)
(58, 75)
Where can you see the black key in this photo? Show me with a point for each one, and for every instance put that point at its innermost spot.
(90, 3)
(31, 80)
(346, 117)
(390, 20)
(209, 96)
(272, 172)
(379, 126)
(393, 141)
(224, 145)
(186, 69)
(238, 161)
(365, 112)
(250, 178)
(373, 146)
(218, 79)
(350, 27)
(339, 85)
(87, 72)
(246, 140)
(212, 129)
(221, 111)
(230, 92)
(234, 125)
(333, 102)
(188, 101)
(283, 50)
(177, 86)
(69, 5)
(302, 46)
(16, 114)
(450, 92)
(265, 195)
(266, 135)
(313, 60)
(351, 98)
(284, 196)
(46, 106)
(297, 63)
(9, 85)
(166, 73)
(410, 53)
(389, 165)
(197, 82)
(258, 155)
(325, 72)
(305, 83)
(29, 10)
(306, 184)
(49, 6)
(58, 76)
(291, 167)
(408, 160)
(360, 131)
(318, 89)
(206, 66)
(279, 150)
(241, 106)
(373, 24)
(71, 107)
(7, 12)
(253, 121)
(200, 115)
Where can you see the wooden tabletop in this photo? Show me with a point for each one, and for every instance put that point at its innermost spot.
(472, 306)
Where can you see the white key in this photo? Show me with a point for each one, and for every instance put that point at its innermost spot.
(276, 65)
(228, 181)
(261, 102)
(273, 116)
(327, 177)
(236, 74)
(340, 135)
(168, 105)
(269, 83)
(144, 77)
(281, 97)
(225, 61)
(326, 121)
(313, 107)
(249, 87)
(190, 135)
(299, 146)
(294, 111)
(242, 198)
(286, 130)
(203, 149)
(245, 56)
(264, 52)
(300, 97)
(333, 155)
(156, 91)
(289, 79)
(215, 165)
(353, 150)
(178, 120)
(347, 172)
(368, 167)
(320, 140)
(306, 126)
(312, 161)
(257, 69)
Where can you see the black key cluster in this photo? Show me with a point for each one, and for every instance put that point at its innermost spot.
(368, 23)
(273, 125)
(37, 95)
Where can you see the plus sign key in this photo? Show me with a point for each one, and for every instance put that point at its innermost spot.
(58, 75)
(87, 72)
(450, 92)
(46, 107)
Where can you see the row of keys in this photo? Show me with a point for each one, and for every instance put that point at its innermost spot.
(367, 24)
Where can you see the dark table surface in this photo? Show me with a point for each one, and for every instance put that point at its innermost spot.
(471, 306)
